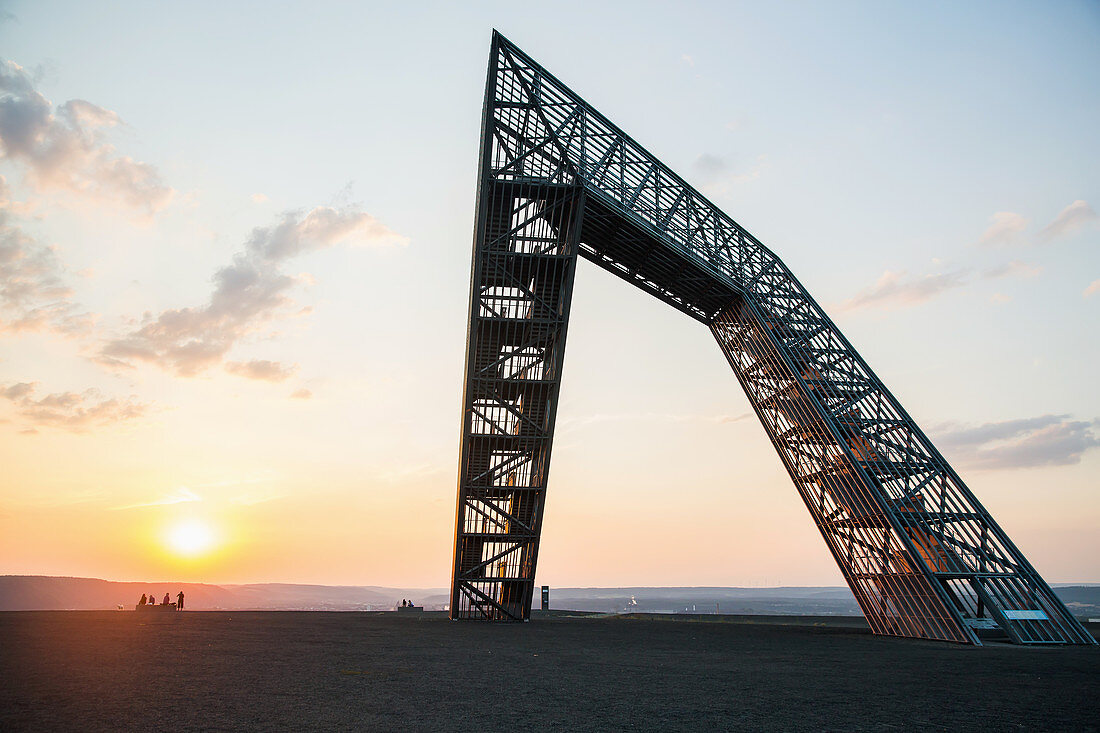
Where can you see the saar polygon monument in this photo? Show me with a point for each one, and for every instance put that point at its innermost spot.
(558, 182)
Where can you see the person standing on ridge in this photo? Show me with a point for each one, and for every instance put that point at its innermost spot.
(179, 601)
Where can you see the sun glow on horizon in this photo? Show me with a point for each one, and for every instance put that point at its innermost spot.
(190, 537)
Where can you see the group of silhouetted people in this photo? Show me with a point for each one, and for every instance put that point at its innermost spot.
(151, 600)
(407, 604)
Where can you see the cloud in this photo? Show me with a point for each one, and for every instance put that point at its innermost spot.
(1071, 219)
(898, 289)
(1047, 440)
(1005, 227)
(737, 123)
(34, 295)
(16, 392)
(248, 294)
(687, 59)
(1092, 289)
(710, 166)
(256, 478)
(301, 394)
(182, 495)
(412, 472)
(252, 499)
(716, 175)
(262, 369)
(76, 411)
(1013, 268)
(66, 147)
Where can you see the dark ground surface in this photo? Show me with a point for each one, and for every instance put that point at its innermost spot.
(339, 671)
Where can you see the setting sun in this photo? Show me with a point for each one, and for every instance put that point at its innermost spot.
(190, 537)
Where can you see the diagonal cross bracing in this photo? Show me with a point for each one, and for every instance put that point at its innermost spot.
(558, 181)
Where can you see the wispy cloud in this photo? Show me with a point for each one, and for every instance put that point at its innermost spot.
(254, 498)
(181, 495)
(413, 472)
(262, 369)
(257, 478)
(301, 394)
(737, 123)
(1073, 218)
(67, 148)
(34, 291)
(1005, 227)
(248, 496)
(709, 166)
(1015, 268)
(1047, 440)
(75, 411)
(717, 175)
(248, 294)
(1092, 289)
(899, 289)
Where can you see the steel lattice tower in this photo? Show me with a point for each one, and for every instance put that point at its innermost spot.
(558, 180)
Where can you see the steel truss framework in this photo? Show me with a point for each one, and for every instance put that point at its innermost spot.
(557, 180)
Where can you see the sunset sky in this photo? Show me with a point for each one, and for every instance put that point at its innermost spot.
(234, 270)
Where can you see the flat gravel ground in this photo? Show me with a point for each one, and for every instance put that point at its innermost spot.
(339, 671)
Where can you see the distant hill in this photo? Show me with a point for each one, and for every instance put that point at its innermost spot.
(798, 601)
(35, 592)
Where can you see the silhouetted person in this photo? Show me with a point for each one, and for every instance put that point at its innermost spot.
(143, 600)
(166, 601)
(402, 603)
(179, 601)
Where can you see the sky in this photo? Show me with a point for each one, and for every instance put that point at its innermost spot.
(234, 271)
